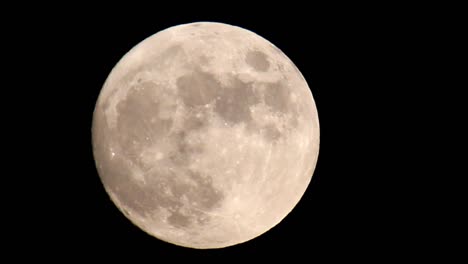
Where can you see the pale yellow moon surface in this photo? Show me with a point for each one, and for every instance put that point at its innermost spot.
(205, 135)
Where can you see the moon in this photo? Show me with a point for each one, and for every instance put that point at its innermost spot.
(205, 135)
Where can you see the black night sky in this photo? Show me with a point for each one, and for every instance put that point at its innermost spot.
(342, 51)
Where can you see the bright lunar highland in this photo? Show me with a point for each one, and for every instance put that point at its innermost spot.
(205, 135)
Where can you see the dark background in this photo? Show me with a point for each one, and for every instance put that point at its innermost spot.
(352, 61)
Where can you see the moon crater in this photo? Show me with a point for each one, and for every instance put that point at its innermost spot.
(233, 104)
(197, 88)
(257, 60)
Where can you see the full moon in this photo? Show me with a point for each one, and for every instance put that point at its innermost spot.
(205, 135)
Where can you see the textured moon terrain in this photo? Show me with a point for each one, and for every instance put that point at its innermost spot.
(205, 135)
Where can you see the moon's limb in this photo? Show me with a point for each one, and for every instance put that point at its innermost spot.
(205, 135)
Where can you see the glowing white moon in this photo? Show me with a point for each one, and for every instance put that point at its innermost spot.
(205, 135)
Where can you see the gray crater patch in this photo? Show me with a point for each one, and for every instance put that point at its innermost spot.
(271, 132)
(257, 60)
(277, 97)
(166, 58)
(138, 122)
(184, 149)
(197, 88)
(195, 120)
(235, 101)
(138, 198)
(204, 60)
(202, 195)
(177, 219)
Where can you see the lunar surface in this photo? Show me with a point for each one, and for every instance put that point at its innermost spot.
(205, 135)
